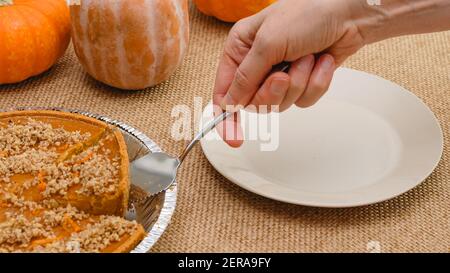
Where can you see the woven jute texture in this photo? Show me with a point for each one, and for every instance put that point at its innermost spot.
(213, 214)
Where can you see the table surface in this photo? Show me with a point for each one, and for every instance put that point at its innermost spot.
(213, 214)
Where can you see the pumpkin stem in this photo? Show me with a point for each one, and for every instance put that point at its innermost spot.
(6, 3)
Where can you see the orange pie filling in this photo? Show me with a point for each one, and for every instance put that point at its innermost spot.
(63, 184)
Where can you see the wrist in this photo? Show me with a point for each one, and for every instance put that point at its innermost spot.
(377, 20)
(371, 19)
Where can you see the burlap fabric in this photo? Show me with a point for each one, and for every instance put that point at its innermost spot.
(215, 215)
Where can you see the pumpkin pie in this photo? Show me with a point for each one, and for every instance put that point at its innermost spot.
(64, 184)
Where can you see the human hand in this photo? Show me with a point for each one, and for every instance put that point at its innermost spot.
(290, 30)
(316, 36)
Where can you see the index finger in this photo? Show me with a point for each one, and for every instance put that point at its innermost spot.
(230, 129)
(224, 77)
(249, 76)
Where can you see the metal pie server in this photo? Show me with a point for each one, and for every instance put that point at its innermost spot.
(155, 172)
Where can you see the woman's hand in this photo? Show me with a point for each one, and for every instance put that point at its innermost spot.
(290, 30)
(316, 36)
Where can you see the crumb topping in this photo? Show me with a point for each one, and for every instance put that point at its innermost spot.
(30, 227)
(30, 161)
(97, 236)
(25, 149)
(16, 138)
(18, 230)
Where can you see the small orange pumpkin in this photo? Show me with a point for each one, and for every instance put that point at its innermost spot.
(130, 44)
(33, 35)
(231, 10)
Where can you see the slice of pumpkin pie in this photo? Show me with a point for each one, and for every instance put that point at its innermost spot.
(63, 182)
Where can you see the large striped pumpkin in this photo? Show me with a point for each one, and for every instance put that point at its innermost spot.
(130, 44)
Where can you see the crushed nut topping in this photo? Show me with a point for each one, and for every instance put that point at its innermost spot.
(16, 138)
(26, 149)
(21, 233)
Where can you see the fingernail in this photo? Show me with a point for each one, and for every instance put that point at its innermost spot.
(227, 100)
(327, 62)
(228, 104)
(279, 85)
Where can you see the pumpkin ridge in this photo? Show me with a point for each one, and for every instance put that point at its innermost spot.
(94, 15)
(109, 51)
(3, 48)
(53, 54)
(173, 49)
(32, 38)
(83, 18)
(58, 29)
(51, 5)
(119, 47)
(182, 33)
(152, 44)
(16, 67)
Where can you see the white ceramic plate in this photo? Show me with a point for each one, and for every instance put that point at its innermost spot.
(366, 141)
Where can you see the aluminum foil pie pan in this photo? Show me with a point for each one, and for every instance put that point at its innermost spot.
(153, 213)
